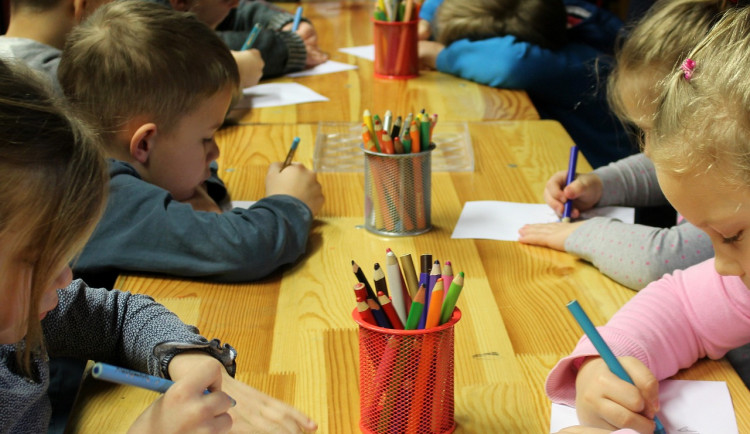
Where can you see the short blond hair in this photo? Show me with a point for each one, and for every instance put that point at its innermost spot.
(540, 22)
(703, 123)
(138, 58)
(54, 182)
(653, 45)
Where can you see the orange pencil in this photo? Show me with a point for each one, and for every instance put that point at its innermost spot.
(367, 139)
(390, 312)
(386, 144)
(414, 134)
(378, 128)
(436, 303)
(397, 146)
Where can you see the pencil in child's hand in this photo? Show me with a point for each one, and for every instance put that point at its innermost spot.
(568, 207)
(604, 351)
(128, 377)
(297, 19)
(251, 37)
(290, 154)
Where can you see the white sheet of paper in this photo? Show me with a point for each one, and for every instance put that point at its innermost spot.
(326, 67)
(498, 220)
(277, 94)
(364, 51)
(696, 407)
(242, 203)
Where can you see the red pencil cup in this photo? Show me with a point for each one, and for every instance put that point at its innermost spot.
(406, 378)
(396, 55)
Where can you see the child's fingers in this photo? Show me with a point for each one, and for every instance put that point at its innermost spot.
(646, 383)
(617, 416)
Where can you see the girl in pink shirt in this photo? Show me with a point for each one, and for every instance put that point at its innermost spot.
(700, 147)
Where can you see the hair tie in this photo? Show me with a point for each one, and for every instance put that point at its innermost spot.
(687, 68)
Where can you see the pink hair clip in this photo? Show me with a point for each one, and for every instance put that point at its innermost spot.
(687, 68)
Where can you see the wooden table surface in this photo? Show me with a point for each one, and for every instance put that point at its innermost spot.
(347, 24)
(294, 332)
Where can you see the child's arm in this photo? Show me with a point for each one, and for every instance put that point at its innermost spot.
(668, 326)
(250, 64)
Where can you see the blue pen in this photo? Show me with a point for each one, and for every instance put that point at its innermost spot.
(290, 154)
(116, 374)
(604, 351)
(571, 176)
(251, 37)
(297, 18)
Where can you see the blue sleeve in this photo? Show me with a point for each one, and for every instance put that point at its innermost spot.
(429, 9)
(145, 230)
(504, 62)
(599, 30)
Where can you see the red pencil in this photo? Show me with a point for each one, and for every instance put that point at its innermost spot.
(360, 291)
(364, 311)
(390, 312)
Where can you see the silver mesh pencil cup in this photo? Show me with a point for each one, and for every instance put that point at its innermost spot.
(397, 193)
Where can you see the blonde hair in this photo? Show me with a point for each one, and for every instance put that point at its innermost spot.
(703, 123)
(134, 58)
(540, 22)
(657, 42)
(54, 185)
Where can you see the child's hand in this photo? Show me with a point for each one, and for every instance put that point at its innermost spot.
(423, 30)
(185, 408)
(428, 54)
(257, 412)
(604, 400)
(580, 429)
(250, 64)
(306, 31)
(201, 201)
(298, 181)
(314, 56)
(552, 235)
(585, 191)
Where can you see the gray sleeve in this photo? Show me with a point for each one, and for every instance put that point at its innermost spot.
(145, 230)
(112, 326)
(635, 255)
(630, 181)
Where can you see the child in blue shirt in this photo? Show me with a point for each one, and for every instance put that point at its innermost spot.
(157, 83)
(563, 71)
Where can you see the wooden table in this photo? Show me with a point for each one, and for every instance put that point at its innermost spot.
(347, 24)
(294, 332)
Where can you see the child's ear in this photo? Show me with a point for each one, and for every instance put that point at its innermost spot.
(181, 5)
(142, 142)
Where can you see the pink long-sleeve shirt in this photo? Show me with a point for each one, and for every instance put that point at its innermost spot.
(669, 325)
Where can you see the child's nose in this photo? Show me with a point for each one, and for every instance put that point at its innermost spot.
(213, 151)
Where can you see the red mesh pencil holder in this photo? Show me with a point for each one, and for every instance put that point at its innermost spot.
(406, 378)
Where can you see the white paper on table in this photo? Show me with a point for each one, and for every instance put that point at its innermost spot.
(242, 203)
(364, 51)
(326, 67)
(278, 94)
(696, 407)
(498, 220)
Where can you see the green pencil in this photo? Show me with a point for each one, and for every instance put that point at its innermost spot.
(415, 312)
(450, 299)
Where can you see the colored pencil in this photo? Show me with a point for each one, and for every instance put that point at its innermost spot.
(449, 301)
(447, 276)
(410, 275)
(378, 278)
(290, 154)
(396, 282)
(297, 19)
(390, 312)
(417, 306)
(572, 162)
(380, 318)
(433, 314)
(361, 278)
(364, 312)
(433, 277)
(251, 37)
(360, 291)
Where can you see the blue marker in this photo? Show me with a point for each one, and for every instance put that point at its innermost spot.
(116, 374)
(604, 351)
(251, 37)
(571, 177)
(297, 18)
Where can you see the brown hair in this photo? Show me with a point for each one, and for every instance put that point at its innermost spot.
(540, 22)
(54, 184)
(703, 123)
(136, 58)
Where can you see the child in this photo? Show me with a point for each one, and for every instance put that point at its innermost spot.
(524, 45)
(700, 148)
(635, 254)
(157, 83)
(282, 50)
(37, 30)
(54, 180)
